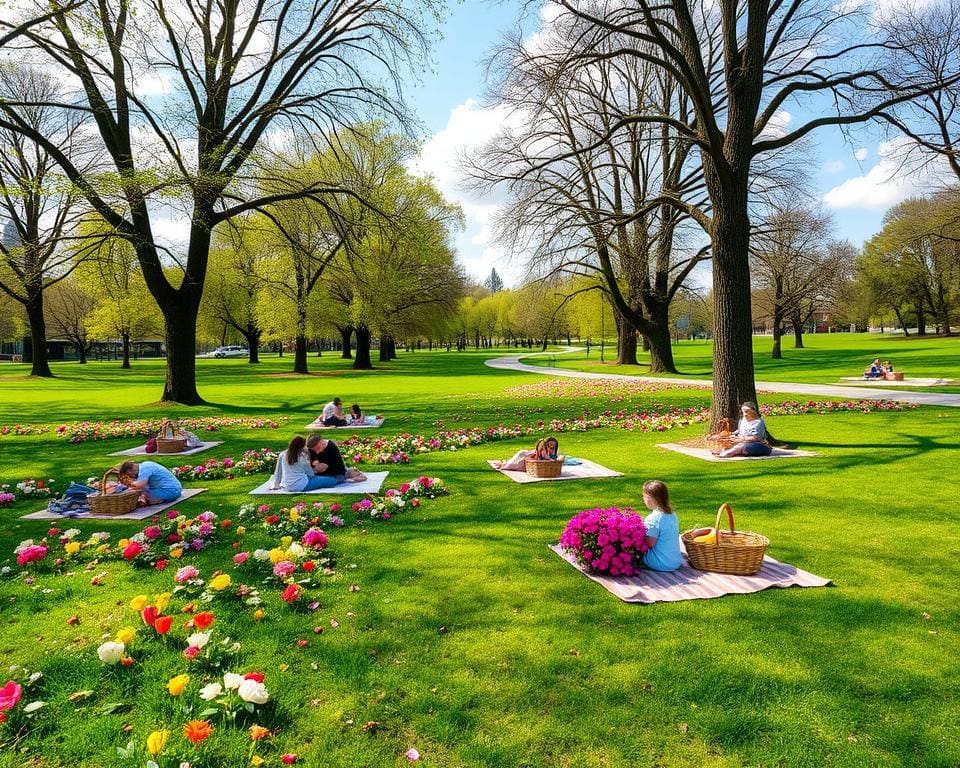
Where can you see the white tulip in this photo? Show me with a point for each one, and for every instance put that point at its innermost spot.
(261, 554)
(254, 692)
(111, 652)
(211, 691)
(198, 639)
(33, 706)
(231, 681)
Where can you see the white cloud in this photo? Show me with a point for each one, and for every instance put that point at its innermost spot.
(778, 125)
(469, 127)
(861, 154)
(896, 176)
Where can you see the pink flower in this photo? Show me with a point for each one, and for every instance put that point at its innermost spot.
(314, 537)
(191, 651)
(334, 507)
(283, 569)
(241, 557)
(412, 755)
(186, 573)
(152, 532)
(289, 758)
(10, 695)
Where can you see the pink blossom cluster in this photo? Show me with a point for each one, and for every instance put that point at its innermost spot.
(250, 463)
(30, 552)
(612, 389)
(606, 540)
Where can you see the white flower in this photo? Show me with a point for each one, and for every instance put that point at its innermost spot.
(211, 691)
(70, 533)
(254, 692)
(34, 677)
(296, 550)
(33, 706)
(198, 639)
(261, 554)
(231, 680)
(111, 652)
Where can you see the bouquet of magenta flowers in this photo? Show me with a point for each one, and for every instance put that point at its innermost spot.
(607, 540)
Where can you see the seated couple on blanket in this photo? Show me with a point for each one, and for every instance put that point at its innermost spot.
(333, 415)
(546, 449)
(310, 464)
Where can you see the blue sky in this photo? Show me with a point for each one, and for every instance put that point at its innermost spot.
(852, 175)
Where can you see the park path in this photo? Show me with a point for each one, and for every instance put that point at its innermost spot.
(784, 387)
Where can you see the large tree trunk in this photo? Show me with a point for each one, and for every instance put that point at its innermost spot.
(661, 348)
(300, 343)
(40, 365)
(797, 331)
(181, 338)
(777, 353)
(733, 376)
(345, 334)
(82, 352)
(252, 335)
(362, 360)
(125, 340)
(627, 348)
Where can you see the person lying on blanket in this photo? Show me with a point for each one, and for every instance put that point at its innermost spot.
(158, 485)
(546, 449)
(663, 529)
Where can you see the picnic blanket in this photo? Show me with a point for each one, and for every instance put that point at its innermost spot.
(688, 583)
(369, 422)
(140, 513)
(140, 450)
(585, 469)
(370, 485)
(704, 453)
(881, 382)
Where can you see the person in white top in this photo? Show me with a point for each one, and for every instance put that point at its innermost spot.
(333, 414)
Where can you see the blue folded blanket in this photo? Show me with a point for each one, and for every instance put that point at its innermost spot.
(571, 462)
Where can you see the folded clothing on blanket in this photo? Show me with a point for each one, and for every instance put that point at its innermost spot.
(74, 500)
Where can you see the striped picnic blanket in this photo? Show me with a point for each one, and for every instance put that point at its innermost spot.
(688, 583)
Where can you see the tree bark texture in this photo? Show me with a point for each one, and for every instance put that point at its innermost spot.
(345, 334)
(180, 385)
(40, 365)
(125, 340)
(362, 360)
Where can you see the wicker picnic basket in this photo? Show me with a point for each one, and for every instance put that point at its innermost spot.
(104, 503)
(543, 467)
(722, 439)
(737, 552)
(170, 440)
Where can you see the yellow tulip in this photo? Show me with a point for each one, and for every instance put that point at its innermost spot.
(220, 582)
(122, 543)
(286, 540)
(177, 553)
(162, 601)
(257, 760)
(294, 515)
(126, 635)
(138, 603)
(156, 741)
(177, 685)
(277, 554)
(72, 547)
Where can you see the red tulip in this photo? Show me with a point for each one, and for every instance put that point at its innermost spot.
(149, 615)
(258, 676)
(162, 624)
(203, 620)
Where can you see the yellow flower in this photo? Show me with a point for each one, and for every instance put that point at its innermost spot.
(138, 603)
(126, 635)
(220, 582)
(177, 685)
(156, 741)
(258, 614)
(284, 667)
(286, 540)
(241, 529)
(122, 543)
(277, 554)
(294, 515)
(177, 553)
(162, 601)
(257, 760)
(72, 547)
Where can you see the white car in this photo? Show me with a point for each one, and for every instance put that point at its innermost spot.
(230, 352)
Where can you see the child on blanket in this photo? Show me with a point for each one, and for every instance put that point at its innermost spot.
(546, 449)
(663, 529)
(355, 416)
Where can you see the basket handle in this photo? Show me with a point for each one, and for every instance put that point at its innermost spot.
(716, 526)
(103, 481)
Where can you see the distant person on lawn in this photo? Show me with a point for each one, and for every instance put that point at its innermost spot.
(663, 529)
(333, 414)
(875, 371)
(157, 484)
(356, 415)
(546, 449)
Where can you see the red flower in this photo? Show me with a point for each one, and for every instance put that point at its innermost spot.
(160, 565)
(273, 519)
(309, 566)
(132, 549)
(225, 524)
(289, 758)
(173, 538)
(197, 731)
(292, 593)
(203, 620)
(162, 624)
(258, 676)
(10, 695)
(149, 615)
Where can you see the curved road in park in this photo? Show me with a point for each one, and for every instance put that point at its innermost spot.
(810, 390)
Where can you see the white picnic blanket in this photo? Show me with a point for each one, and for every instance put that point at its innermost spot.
(369, 422)
(141, 450)
(140, 513)
(585, 469)
(704, 453)
(370, 485)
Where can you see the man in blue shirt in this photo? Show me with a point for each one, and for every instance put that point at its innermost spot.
(159, 485)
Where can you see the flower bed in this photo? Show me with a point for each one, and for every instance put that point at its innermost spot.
(82, 431)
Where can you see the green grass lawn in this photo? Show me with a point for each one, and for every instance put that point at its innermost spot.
(452, 629)
(826, 358)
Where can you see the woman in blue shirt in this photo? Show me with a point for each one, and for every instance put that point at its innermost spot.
(752, 438)
(663, 529)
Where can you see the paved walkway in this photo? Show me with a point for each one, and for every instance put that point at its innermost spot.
(783, 387)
